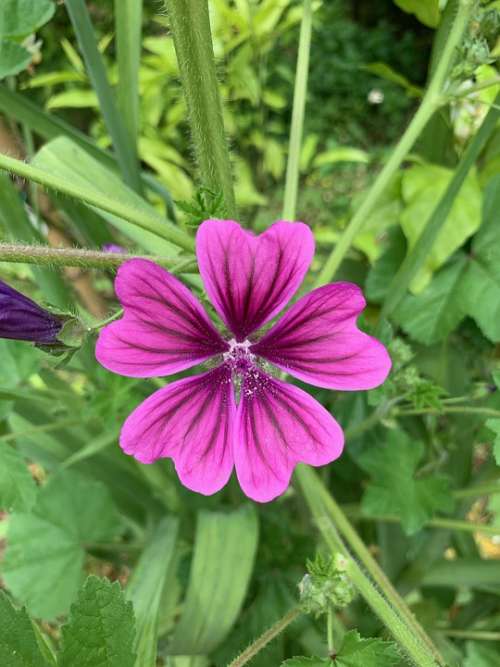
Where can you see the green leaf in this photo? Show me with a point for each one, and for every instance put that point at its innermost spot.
(427, 11)
(480, 655)
(423, 185)
(18, 643)
(222, 565)
(389, 74)
(65, 159)
(355, 651)
(494, 425)
(73, 99)
(17, 487)
(45, 549)
(481, 284)
(394, 489)
(359, 652)
(302, 661)
(468, 572)
(19, 18)
(100, 630)
(341, 154)
(432, 315)
(145, 588)
(385, 267)
(14, 58)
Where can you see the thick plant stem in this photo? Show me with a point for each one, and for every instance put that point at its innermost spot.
(190, 23)
(299, 104)
(86, 259)
(137, 216)
(391, 609)
(262, 641)
(430, 103)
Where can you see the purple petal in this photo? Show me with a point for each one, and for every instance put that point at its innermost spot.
(250, 278)
(164, 328)
(318, 341)
(190, 421)
(279, 425)
(23, 319)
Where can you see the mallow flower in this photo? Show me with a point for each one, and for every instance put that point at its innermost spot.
(23, 319)
(238, 413)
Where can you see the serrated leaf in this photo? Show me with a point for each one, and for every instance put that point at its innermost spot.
(17, 487)
(432, 315)
(100, 630)
(221, 569)
(359, 652)
(355, 651)
(494, 425)
(423, 185)
(45, 549)
(394, 489)
(302, 661)
(18, 644)
(14, 58)
(19, 18)
(481, 284)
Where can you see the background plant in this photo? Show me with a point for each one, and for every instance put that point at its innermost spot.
(96, 138)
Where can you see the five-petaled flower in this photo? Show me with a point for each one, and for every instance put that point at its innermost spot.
(237, 414)
(23, 319)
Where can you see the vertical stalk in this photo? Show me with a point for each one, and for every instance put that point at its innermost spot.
(299, 104)
(430, 103)
(190, 23)
(392, 611)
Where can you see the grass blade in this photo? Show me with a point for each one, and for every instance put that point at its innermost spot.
(145, 589)
(122, 142)
(128, 17)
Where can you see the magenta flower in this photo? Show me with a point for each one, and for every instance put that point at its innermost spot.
(238, 415)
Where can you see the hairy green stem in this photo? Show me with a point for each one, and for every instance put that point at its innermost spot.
(257, 646)
(190, 24)
(138, 217)
(299, 103)
(354, 511)
(479, 635)
(479, 490)
(329, 631)
(393, 612)
(430, 103)
(445, 409)
(86, 259)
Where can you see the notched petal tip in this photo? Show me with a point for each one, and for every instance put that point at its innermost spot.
(319, 342)
(250, 278)
(192, 422)
(279, 425)
(164, 328)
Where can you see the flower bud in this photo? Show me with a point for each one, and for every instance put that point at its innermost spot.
(326, 585)
(22, 319)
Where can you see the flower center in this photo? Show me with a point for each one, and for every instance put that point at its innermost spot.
(239, 357)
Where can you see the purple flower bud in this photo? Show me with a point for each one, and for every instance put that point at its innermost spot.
(112, 247)
(23, 319)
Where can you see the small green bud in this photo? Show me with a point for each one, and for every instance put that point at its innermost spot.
(326, 585)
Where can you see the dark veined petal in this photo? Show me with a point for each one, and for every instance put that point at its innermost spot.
(278, 426)
(250, 278)
(23, 319)
(318, 341)
(164, 328)
(192, 422)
